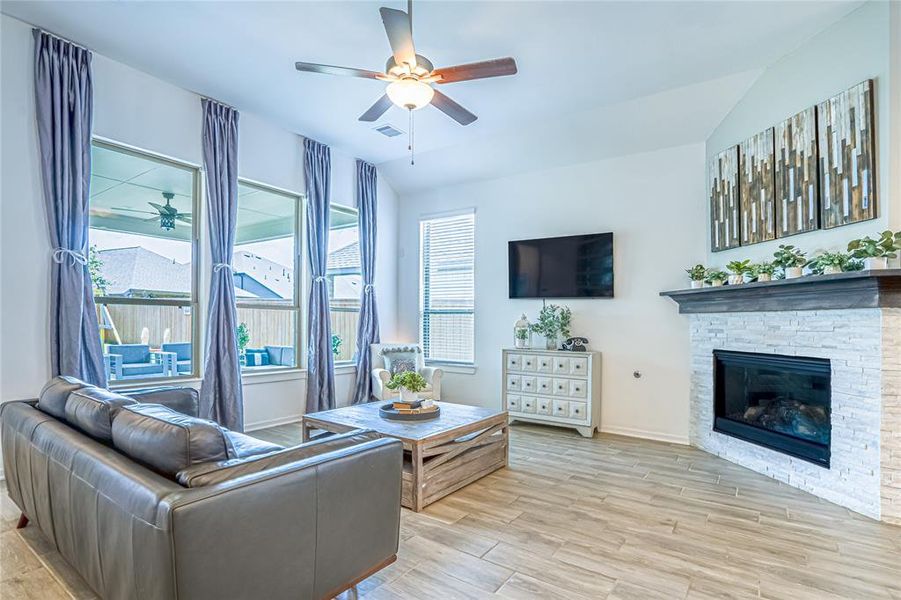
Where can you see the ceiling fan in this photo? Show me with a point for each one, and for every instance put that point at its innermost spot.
(410, 75)
(167, 214)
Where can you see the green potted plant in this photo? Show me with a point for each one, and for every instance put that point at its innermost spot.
(763, 271)
(791, 259)
(716, 278)
(876, 252)
(242, 333)
(737, 270)
(697, 274)
(409, 383)
(553, 321)
(336, 344)
(829, 263)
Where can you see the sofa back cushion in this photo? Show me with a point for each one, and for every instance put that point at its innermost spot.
(165, 440)
(184, 399)
(92, 410)
(130, 353)
(52, 399)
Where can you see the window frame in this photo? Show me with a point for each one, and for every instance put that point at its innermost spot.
(350, 210)
(193, 303)
(462, 364)
(300, 276)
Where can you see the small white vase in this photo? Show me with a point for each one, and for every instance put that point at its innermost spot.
(697, 284)
(408, 396)
(875, 262)
(716, 283)
(793, 272)
(831, 270)
(736, 279)
(763, 277)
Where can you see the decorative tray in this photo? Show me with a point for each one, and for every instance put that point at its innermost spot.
(387, 411)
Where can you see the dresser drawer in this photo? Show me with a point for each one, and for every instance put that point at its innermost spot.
(528, 362)
(544, 364)
(513, 401)
(578, 389)
(527, 404)
(528, 384)
(544, 406)
(561, 408)
(514, 361)
(578, 410)
(561, 365)
(578, 365)
(544, 385)
(514, 383)
(561, 387)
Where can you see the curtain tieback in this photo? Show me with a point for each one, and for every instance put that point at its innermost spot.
(319, 279)
(368, 288)
(60, 254)
(219, 266)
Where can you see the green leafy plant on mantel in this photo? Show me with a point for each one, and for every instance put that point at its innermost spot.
(885, 246)
(764, 268)
(553, 321)
(739, 267)
(697, 272)
(787, 257)
(714, 276)
(408, 380)
(830, 261)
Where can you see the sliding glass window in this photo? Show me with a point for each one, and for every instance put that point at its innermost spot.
(267, 273)
(143, 246)
(345, 281)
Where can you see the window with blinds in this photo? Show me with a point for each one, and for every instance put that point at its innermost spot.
(447, 288)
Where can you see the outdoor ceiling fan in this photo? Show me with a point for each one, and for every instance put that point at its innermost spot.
(167, 214)
(410, 75)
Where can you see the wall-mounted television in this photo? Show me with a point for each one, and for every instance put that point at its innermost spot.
(575, 266)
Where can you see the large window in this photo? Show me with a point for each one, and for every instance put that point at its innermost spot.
(446, 288)
(142, 246)
(345, 281)
(266, 269)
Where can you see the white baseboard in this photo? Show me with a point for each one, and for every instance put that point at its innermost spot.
(273, 422)
(647, 435)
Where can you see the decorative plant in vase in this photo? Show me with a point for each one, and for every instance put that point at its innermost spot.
(697, 274)
(791, 259)
(716, 278)
(737, 270)
(336, 344)
(876, 252)
(242, 335)
(763, 271)
(830, 263)
(553, 321)
(409, 383)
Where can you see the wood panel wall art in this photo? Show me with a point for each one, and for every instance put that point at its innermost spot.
(847, 157)
(722, 187)
(797, 183)
(757, 188)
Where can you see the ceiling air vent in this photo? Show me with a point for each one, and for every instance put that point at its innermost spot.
(388, 130)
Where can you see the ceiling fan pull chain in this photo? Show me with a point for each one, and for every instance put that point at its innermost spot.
(411, 136)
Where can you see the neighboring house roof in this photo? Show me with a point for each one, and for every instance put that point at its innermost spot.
(137, 271)
(266, 273)
(346, 259)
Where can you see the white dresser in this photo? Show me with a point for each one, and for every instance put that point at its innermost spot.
(553, 387)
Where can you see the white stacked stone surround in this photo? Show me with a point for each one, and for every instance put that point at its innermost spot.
(864, 347)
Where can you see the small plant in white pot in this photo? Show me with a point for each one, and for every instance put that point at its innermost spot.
(697, 274)
(829, 263)
(791, 259)
(716, 278)
(763, 271)
(409, 383)
(876, 252)
(737, 270)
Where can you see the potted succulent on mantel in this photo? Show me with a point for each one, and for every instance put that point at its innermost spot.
(697, 274)
(410, 383)
(716, 278)
(875, 253)
(737, 270)
(791, 259)
(830, 263)
(763, 271)
(553, 321)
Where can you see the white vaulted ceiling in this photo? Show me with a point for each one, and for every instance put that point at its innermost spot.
(586, 69)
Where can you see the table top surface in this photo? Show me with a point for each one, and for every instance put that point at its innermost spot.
(366, 416)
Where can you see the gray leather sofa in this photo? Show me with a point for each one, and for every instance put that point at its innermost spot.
(146, 501)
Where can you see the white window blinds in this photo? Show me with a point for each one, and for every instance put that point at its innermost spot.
(447, 287)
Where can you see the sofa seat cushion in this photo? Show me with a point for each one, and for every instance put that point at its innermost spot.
(52, 399)
(226, 470)
(166, 440)
(148, 368)
(241, 445)
(92, 410)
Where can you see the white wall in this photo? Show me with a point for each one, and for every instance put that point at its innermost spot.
(134, 108)
(853, 50)
(650, 202)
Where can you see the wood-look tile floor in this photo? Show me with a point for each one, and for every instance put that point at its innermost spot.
(613, 517)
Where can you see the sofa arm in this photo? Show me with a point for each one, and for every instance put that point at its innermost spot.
(303, 530)
(183, 399)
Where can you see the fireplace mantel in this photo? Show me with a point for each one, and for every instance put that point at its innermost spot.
(861, 289)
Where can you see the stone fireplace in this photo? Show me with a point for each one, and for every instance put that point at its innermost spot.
(801, 380)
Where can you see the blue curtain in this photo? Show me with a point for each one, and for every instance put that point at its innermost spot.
(221, 397)
(64, 100)
(320, 362)
(368, 328)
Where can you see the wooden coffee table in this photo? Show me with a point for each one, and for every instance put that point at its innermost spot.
(441, 455)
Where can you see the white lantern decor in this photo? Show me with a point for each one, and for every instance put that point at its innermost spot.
(522, 333)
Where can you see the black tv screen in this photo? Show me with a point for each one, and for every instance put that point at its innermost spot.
(576, 266)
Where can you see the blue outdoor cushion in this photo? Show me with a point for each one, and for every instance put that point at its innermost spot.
(281, 355)
(182, 350)
(255, 358)
(147, 368)
(130, 353)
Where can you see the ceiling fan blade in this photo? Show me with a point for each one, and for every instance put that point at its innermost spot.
(376, 110)
(183, 217)
(452, 109)
(400, 35)
(333, 70)
(478, 70)
(122, 208)
(162, 209)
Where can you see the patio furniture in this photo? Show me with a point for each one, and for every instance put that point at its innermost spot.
(129, 361)
(183, 355)
(388, 359)
(275, 356)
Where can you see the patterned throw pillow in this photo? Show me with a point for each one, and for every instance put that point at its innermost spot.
(399, 359)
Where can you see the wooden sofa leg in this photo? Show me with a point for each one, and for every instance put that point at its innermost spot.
(23, 521)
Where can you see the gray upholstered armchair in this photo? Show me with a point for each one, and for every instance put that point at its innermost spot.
(390, 358)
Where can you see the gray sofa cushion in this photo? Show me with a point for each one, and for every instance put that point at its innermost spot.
(241, 445)
(183, 399)
(52, 399)
(92, 410)
(216, 472)
(166, 440)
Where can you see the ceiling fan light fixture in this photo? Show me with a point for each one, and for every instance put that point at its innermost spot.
(410, 93)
